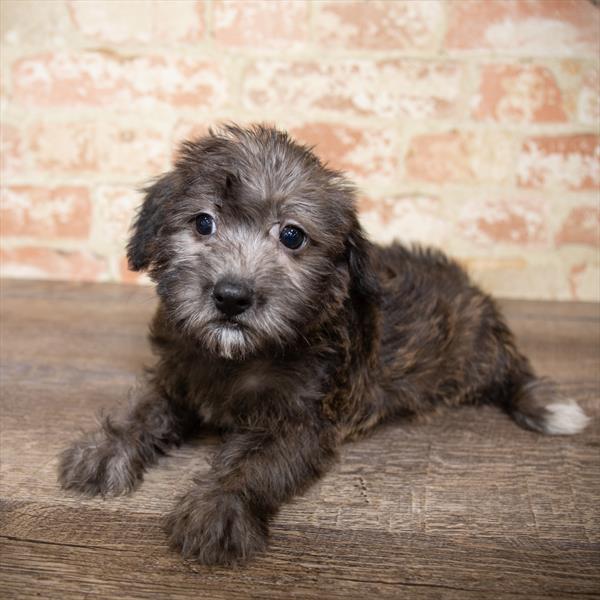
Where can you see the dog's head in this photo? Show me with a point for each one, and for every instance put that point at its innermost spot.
(252, 241)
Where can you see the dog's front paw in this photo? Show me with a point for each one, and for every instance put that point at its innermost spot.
(217, 529)
(100, 464)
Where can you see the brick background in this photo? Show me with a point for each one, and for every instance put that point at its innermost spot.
(469, 124)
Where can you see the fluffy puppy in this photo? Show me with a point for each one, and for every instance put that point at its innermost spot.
(281, 324)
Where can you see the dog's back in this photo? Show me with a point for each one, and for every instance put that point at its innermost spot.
(445, 342)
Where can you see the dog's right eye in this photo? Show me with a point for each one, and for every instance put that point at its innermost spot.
(292, 237)
(205, 224)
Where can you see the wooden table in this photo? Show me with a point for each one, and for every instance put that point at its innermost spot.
(466, 505)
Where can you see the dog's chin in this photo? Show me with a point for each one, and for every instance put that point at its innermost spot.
(228, 340)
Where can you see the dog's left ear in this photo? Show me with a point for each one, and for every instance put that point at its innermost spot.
(147, 224)
(363, 278)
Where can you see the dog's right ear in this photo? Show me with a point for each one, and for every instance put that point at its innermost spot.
(363, 279)
(148, 222)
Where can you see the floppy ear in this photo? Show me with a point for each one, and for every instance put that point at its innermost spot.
(363, 279)
(147, 224)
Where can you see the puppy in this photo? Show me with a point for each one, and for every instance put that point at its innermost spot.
(279, 323)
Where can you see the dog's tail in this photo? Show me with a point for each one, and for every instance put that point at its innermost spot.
(538, 404)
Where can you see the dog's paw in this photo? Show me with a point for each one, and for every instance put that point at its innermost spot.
(218, 529)
(100, 464)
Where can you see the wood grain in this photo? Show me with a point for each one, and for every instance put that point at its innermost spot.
(465, 505)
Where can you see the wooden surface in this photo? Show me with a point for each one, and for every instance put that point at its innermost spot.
(467, 505)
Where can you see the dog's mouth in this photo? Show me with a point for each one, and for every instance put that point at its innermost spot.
(232, 327)
(230, 323)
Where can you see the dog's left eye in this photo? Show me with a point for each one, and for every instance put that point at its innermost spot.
(292, 237)
(205, 224)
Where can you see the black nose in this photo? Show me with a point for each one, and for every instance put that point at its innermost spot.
(232, 297)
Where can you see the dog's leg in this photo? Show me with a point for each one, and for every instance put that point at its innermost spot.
(112, 460)
(253, 474)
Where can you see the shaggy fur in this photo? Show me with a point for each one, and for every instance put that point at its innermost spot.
(332, 339)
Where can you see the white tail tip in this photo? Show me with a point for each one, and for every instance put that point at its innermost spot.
(564, 418)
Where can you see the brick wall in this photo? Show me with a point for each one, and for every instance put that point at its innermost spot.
(469, 124)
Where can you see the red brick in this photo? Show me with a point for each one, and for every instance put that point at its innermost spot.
(5, 85)
(514, 220)
(406, 217)
(487, 263)
(87, 146)
(459, 156)
(62, 212)
(519, 93)
(528, 27)
(588, 100)
(428, 89)
(133, 21)
(48, 263)
(360, 152)
(570, 161)
(107, 79)
(582, 226)
(12, 159)
(31, 22)
(517, 276)
(356, 87)
(115, 208)
(379, 25)
(353, 87)
(584, 281)
(260, 23)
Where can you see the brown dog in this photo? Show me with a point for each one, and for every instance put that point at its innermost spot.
(281, 324)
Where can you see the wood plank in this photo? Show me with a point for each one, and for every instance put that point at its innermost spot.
(464, 504)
